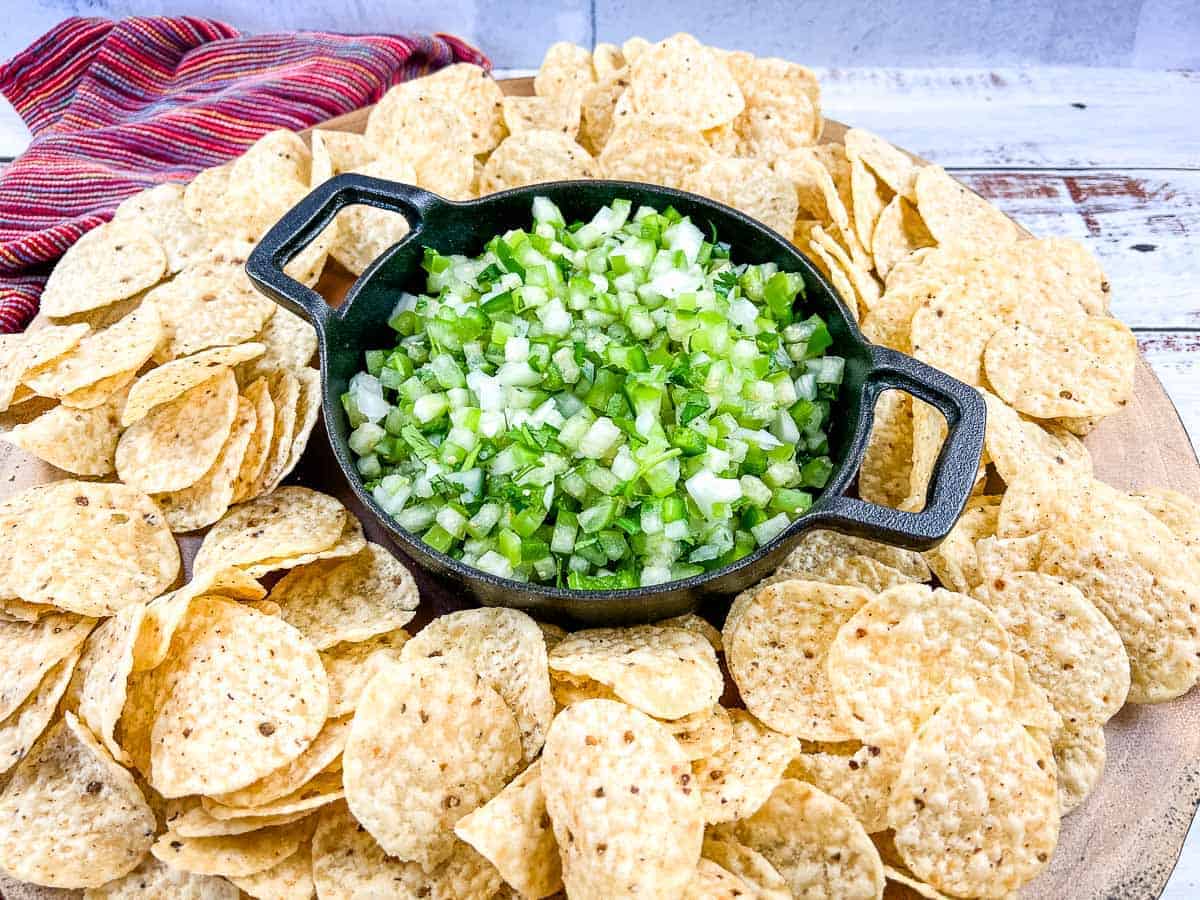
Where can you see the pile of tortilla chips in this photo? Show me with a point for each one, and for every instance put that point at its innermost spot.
(171, 373)
(918, 719)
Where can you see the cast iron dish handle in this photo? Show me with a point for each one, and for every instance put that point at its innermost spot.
(300, 226)
(953, 476)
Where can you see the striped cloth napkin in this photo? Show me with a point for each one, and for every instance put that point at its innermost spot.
(115, 107)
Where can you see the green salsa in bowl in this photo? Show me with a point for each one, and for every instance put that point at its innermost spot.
(607, 404)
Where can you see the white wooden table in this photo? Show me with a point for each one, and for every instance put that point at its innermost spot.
(1108, 156)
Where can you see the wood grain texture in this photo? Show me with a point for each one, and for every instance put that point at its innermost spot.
(1043, 117)
(1163, 455)
(1143, 225)
(1175, 358)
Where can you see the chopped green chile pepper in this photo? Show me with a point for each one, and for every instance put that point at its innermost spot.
(606, 405)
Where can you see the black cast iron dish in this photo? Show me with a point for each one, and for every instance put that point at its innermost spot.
(450, 227)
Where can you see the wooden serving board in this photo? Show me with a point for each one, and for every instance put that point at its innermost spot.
(1125, 840)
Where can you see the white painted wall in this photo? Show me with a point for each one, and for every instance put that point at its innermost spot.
(1146, 33)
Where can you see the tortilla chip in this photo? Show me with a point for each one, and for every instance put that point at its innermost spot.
(750, 186)
(203, 194)
(738, 778)
(288, 880)
(422, 724)
(20, 353)
(259, 447)
(322, 789)
(202, 503)
(762, 878)
(232, 855)
(777, 652)
(566, 71)
(955, 561)
(350, 666)
(109, 263)
(531, 157)
(152, 879)
(177, 443)
(209, 304)
(349, 542)
(334, 152)
(246, 695)
(98, 356)
(1079, 756)
(679, 81)
(886, 471)
(859, 775)
(543, 114)
(814, 842)
(348, 599)
(505, 648)
(598, 108)
(166, 382)
(290, 341)
(906, 651)
(288, 522)
(308, 409)
(656, 153)
(193, 820)
(954, 214)
(79, 441)
(783, 106)
(279, 155)
(104, 674)
(72, 817)
(365, 232)
(466, 88)
(702, 734)
(160, 211)
(293, 775)
(22, 727)
(665, 672)
(1076, 369)
(512, 831)
(595, 751)
(90, 548)
(163, 614)
(975, 809)
(841, 559)
(899, 233)
(347, 863)
(1072, 650)
(892, 166)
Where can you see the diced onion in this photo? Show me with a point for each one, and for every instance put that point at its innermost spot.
(367, 393)
(607, 406)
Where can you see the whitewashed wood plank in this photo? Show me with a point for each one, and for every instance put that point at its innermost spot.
(1000, 117)
(1175, 358)
(1143, 225)
(1047, 117)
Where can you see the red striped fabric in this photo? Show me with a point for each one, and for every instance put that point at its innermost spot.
(115, 107)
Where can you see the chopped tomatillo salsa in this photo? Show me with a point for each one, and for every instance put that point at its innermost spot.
(598, 405)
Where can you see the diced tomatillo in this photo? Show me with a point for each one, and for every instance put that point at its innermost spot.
(599, 405)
